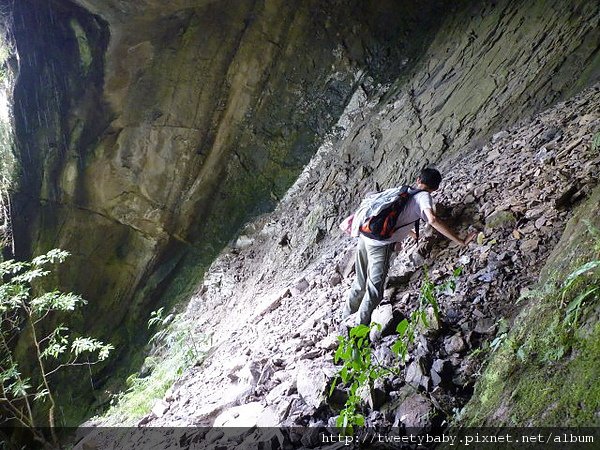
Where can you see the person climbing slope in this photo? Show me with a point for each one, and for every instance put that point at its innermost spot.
(382, 221)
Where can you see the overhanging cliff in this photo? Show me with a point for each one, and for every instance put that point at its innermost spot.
(150, 131)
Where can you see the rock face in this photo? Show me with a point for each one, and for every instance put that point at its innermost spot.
(150, 131)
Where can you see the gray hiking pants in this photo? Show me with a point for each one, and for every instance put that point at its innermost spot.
(372, 264)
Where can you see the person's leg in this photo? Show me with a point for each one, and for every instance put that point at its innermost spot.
(378, 263)
(357, 290)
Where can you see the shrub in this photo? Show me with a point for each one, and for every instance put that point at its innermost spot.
(25, 315)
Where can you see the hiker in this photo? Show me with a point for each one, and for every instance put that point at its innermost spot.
(373, 255)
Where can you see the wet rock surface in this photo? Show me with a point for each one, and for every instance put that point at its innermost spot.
(295, 335)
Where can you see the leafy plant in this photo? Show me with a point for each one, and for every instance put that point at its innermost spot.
(574, 306)
(358, 371)
(596, 141)
(23, 316)
(407, 328)
(173, 334)
(501, 335)
(175, 347)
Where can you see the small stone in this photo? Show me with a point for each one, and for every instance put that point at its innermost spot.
(544, 155)
(335, 279)
(499, 219)
(493, 155)
(311, 355)
(415, 412)
(416, 373)
(534, 213)
(527, 229)
(539, 223)
(417, 259)
(279, 391)
(145, 420)
(436, 379)
(374, 397)
(529, 245)
(442, 366)
(455, 344)
(480, 191)
(312, 380)
(299, 286)
(328, 343)
(242, 417)
(480, 238)
(485, 326)
(384, 316)
(160, 408)
(243, 242)
(478, 313)
(500, 135)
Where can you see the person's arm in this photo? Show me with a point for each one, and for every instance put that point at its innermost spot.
(445, 229)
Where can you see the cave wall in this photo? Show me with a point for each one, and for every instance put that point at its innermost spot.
(491, 65)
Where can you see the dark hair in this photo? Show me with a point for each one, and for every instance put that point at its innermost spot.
(431, 178)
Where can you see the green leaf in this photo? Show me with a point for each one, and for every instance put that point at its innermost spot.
(9, 373)
(41, 395)
(89, 345)
(104, 351)
(576, 303)
(359, 420)
(402, 327)
(11, 267)
(344, 374)
(359, 331)
(156, 317)
(53, 350)
(333, 386)
(339, 352)
(19, 388)
(580, 271)
(54, 255)
(30, 275)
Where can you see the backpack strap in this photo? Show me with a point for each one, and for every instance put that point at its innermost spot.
(418, 221)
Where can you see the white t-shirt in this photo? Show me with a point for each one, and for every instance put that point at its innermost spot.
(414, 209)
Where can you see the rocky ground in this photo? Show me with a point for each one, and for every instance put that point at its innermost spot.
(271, 302)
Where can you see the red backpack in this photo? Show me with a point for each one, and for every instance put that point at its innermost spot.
(382, 212)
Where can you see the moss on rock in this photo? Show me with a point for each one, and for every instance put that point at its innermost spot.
(546, 371)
